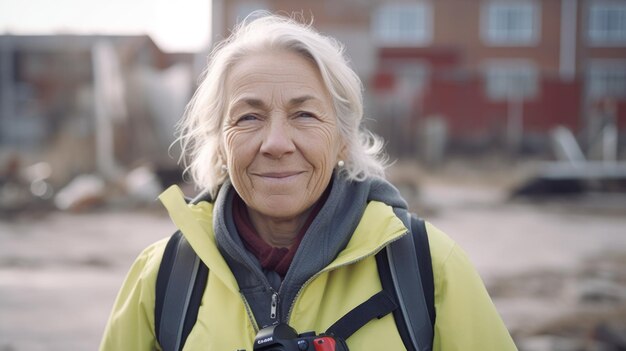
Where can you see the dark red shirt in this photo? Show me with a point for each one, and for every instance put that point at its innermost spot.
(276, 259)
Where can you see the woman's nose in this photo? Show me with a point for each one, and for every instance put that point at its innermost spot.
(277, 140)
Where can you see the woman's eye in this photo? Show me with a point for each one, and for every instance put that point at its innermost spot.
(248, 117)
(305, 114)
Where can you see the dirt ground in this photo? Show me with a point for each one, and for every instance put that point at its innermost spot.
(547, 264)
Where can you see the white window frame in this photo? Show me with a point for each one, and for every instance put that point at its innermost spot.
(511, 79)
(606, 79)
(403, 24)
(606, 24)
(496, 31)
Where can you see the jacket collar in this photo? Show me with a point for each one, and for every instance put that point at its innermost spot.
(377, 227)
(196, 224)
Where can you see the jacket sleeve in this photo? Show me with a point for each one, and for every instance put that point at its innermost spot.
(466, 317)
(131, 323)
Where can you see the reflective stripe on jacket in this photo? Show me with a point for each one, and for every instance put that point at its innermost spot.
(466, 317)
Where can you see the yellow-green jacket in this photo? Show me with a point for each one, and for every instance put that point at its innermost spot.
(466, 318)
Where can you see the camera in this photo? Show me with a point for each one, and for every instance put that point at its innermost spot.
(282, 337)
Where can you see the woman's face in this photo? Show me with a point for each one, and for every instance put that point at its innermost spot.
(281, 140)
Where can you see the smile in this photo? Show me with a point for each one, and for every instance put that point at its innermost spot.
(278, 176)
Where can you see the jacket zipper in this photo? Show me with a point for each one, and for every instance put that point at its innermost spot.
(249, 313)
(358, 259)
(274, 305)
(273, 309)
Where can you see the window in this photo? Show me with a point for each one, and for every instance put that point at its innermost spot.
(607, 79)
(511, 79)
(607, 23)
(510, 23)
(407, 24)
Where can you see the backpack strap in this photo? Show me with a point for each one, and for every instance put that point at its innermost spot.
(405, 268)
(180, 284)
(396, 292)
(377, 306)
(424, 261)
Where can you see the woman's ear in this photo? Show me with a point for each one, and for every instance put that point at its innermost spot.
(344, 150)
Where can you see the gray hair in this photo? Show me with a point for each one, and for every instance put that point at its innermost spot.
(200, 130)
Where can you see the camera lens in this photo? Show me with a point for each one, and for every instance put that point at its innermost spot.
(303, 345)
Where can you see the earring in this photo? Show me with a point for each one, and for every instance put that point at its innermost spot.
(341, 163)
(224, 169)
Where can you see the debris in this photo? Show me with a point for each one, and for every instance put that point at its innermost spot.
(551, 343)
(37, 175)
(611, 334)
(565, 146)
(601, 290)
(573, 173)
(83, 192)
(13, 198)
(142, 184)
(23, 189)
(561, 178)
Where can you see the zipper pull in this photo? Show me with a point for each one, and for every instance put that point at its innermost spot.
(274, 305)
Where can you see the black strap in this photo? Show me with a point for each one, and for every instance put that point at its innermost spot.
(422, 249)
(174, 312)
(180, 284)
(163, 277)
(376, 306)
(387, 282)
(412, 286)
(194, 302)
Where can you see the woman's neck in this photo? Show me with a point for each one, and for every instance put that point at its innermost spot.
(278, 232)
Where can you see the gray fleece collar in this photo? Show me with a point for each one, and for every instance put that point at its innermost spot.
(328, 234)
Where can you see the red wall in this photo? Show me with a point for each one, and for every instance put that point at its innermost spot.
(470, 113)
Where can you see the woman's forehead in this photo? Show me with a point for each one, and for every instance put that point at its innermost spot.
(283, 64)
(271, 74)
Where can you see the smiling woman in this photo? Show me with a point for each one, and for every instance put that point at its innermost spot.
(201, 136)
(281, 140)
(298, 223)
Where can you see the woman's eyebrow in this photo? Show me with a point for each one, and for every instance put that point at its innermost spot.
(252, 102)
(258, 103)
(301, 100)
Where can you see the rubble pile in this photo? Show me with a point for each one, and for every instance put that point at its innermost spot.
(586, 306)
(32, 190)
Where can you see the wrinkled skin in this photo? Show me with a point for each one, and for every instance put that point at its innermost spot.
(280, 140)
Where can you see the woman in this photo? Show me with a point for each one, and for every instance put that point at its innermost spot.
(300, 210)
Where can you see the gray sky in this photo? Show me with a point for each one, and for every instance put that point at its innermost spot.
(180, 25)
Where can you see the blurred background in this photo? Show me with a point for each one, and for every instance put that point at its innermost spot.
(506, 120)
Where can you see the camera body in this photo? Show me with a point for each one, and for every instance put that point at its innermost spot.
(282, 337)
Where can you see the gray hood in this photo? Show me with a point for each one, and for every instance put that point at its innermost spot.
(328, 234)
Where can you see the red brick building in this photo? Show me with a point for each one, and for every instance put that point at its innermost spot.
(490, 70)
